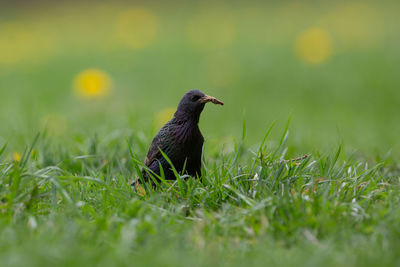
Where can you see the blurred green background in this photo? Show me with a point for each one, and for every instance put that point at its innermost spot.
(81, 68)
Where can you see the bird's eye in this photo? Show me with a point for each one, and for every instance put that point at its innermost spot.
(195, 98)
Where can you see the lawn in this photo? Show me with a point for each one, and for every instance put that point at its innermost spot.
(300, 166)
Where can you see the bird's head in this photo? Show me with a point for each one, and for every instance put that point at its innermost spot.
(192, 104)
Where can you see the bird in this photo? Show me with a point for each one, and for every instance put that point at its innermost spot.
(180, 140)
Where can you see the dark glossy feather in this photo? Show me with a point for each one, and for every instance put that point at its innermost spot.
(182, 142)
(180, 139)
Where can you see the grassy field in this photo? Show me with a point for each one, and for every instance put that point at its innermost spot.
(85, 86)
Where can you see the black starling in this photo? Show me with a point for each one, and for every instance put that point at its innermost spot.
(180, 139)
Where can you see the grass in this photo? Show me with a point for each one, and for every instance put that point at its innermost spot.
(65, 198)
(74, 206)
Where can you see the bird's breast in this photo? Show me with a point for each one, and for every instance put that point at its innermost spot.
(187, 133)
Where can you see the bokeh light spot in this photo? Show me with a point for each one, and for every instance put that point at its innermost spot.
(136, 28)
(20, 42)
(92, 83)
(15, 42)
(314, 45)
(355, 24)
(163, 117)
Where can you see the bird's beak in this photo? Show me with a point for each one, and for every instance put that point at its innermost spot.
(212, 99)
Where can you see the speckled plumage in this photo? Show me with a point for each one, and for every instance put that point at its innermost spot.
(180, 139)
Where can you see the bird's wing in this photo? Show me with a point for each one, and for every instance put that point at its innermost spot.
(154, 152)
(160, 142)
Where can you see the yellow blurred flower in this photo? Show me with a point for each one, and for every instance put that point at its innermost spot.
(92, 83)
(54, 124)
(355, 24)
(314, 45)
(163, 117)
(136, 28)
(16, 157)
(22, 42)
(13, 39)
(211, 29)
